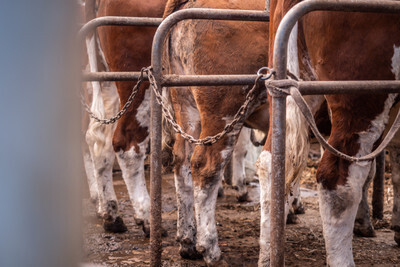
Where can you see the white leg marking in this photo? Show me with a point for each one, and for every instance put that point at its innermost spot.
(338, 207)
(99, 140)
(207, 238)
(264, 175)
(186, 229)
(132, 167)
(90, 174)
(238, 162)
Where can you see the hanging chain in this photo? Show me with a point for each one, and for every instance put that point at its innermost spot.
(124, 109)
(209, 140)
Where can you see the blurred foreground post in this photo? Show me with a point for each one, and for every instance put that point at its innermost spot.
(39, 137)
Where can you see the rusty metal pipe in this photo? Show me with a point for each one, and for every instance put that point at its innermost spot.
(111, 76)
(299, 10)
(117, 21)
(348, 87)
(277, 211)
(201, 14)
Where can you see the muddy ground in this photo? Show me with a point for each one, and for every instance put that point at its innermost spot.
(238, 229)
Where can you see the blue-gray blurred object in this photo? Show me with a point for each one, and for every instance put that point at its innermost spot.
(39, 137)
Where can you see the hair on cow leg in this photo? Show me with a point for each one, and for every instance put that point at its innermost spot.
(89, 169)
(207, 164)
(395, 163)
(132, 167)
(238, 165)
(103, 156)
(363, 225)
(186, 227)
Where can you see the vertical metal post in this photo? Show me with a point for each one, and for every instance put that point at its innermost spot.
(277, 213)
(379, 187)
(155, 178)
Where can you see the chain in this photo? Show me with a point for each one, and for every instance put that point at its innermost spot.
(124, 109)
(209, 140)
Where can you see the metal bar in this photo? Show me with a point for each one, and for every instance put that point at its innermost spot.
(207, 80)
(379, 187)
(117, 21)
(111, 76)
(277, 212)
(155, 184)
(299, 10)
(348, 87)
(201, 14)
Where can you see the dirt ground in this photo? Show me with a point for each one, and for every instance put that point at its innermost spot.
(238, 229)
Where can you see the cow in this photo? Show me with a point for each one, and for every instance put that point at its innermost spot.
(127, 49)
(338, 46)
(120, 49)
(214, 47)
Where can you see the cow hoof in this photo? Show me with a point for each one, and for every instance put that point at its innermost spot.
(292, 218)
(299, 209)
(244, 197)
(146, 228)
(189, 252)
(117, 226)
(364, 231)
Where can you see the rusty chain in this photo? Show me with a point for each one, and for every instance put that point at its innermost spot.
(123, 110)
(209, 140)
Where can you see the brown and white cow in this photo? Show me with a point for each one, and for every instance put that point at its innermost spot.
(340, 46)
(127, 49)
(120, 49)
(214, 47)
(210, 47)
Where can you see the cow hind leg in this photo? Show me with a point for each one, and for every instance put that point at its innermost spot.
(186, 227)
(132, 167)
(341, 182)
(90, 174)
(363, 225)
(188, 117)
(208, 163)
(130, 143)
(107, 200)
(238, 165)
(395, 163)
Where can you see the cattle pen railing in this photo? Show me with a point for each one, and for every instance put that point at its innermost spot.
(167, 80)
(278, 102)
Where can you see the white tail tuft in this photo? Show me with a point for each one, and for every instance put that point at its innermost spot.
(95, 133)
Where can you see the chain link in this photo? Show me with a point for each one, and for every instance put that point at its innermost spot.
(209, 140)
(124, 109)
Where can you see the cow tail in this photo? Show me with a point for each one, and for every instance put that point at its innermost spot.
(95, 133)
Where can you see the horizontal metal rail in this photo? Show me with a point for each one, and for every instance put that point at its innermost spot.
(316, 87)
(198, 14)
(111, 76)
(117, 21)
(114, 21)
